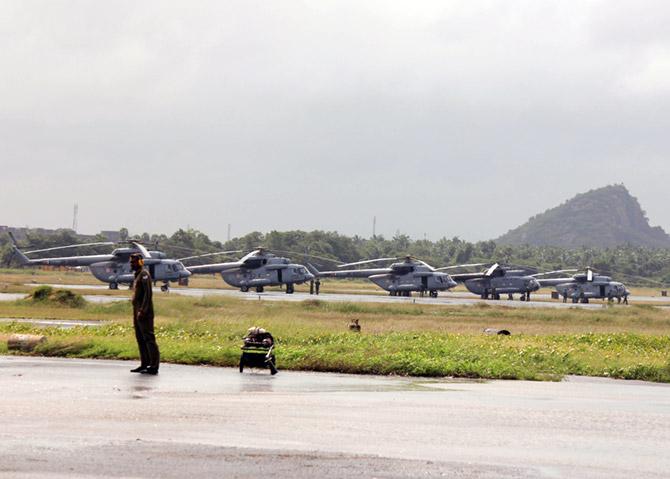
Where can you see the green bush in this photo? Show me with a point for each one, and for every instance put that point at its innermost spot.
(68, 298)
(42, 293)
(63, 297)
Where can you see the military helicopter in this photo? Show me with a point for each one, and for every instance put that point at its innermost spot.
(587, 285)
(399, 279)
(113, 268)
(257, 269)
(496, 280)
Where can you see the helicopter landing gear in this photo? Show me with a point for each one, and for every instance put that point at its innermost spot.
(527, 295)
(113, 285)
(244, 289)
(289, 288)
(433, 294)
(259, 289)
(165, 287)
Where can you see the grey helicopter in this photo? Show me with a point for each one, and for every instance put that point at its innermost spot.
(399, 279)
(257, 269)
(113, 268)
(498, 280)
(582, 287)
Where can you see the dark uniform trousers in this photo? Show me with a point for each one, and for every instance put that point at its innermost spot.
(143, 320)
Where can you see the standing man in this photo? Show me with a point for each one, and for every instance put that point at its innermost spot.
(143, 318)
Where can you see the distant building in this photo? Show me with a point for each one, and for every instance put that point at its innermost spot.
(21, 233)
(114, 236)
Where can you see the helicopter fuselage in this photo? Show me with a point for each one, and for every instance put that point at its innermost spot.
(263, 276)
(502, 285)
(602, 287)
(400, 279)
(260, 271)
(161, 270)
(421, 281)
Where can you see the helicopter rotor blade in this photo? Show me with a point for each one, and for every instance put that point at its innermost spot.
(555, 272)
(296, 253)
(366, 262)
(211, 254)
(462, 266)
(424, 263)
(56, 248)
(142, 249)
(492, 269)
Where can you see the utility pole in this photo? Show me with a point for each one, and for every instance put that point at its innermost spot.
(374, 226)
(74, 217)
(228, 231)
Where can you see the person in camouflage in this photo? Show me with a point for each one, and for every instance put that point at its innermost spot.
(143, 318)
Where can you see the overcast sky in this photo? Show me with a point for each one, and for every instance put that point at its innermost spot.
(442, 118)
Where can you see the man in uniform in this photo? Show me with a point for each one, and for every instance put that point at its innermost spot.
(143, 318)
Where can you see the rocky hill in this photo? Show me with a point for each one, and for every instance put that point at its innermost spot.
(604, 217)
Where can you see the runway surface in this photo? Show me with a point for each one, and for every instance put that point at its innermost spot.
(93, 298)
(85, 418)
(445, 299)
(60, 323)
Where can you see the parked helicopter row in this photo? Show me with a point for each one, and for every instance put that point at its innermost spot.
(261, 268)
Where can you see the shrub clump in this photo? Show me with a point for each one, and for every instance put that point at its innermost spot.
(42, 293)
(63, 297)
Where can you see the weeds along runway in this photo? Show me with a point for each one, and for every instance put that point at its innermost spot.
(445, 299)
(88, 418)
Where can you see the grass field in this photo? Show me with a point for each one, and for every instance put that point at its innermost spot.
(405, 339)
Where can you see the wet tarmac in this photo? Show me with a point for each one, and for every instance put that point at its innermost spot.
(445, 299)
(12, 296)
(85, 418)
(59, 323)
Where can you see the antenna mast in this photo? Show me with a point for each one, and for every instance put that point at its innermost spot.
(74, 217)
